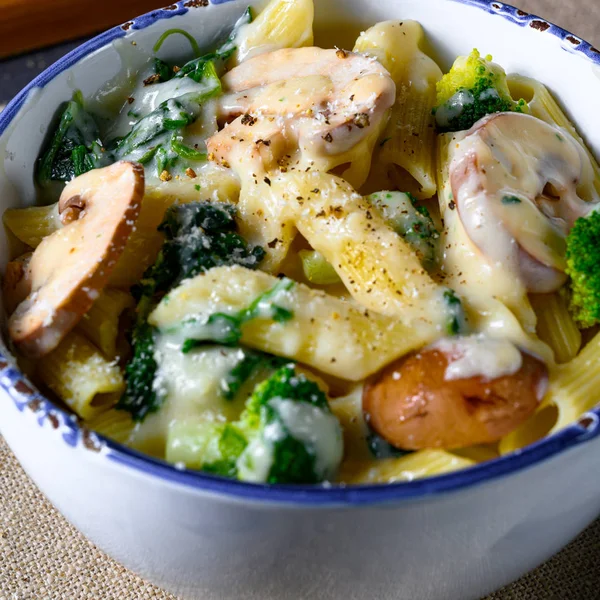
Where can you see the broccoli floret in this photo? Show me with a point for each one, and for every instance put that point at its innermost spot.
(290, 433)
(583, 267)
(198, 237)
(474, 87)
(246, 368)
(411, 221)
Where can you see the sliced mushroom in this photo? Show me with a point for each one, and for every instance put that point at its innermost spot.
(414, 404)
(515, 181)
(69, 268)
(16, 283)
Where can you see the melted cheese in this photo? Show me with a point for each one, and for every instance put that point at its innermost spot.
(514, 180)
(479, 356)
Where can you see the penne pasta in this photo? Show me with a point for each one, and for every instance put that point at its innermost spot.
(574, 385)
(534, 429)
(101, 323)
(334, 336)
(555, 326)
(31, 225)
(81, 376)
(147, 437)
(114, 424)
(378, 267)
(425, 463)
(406, 149)
(282, 24)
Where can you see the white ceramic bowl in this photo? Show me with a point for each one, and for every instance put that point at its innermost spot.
(457, 536)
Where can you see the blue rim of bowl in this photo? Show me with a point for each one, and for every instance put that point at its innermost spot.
(24, 395)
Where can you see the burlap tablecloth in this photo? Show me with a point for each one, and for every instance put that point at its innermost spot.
(42, 557)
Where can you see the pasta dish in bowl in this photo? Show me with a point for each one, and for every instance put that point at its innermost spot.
(288, 285)
(289, 264)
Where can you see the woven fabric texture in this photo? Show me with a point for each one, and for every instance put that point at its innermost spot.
(42, 557)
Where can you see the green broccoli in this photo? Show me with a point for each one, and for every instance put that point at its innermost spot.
(583, 268)
(227, 328)
(411, 221)
(474, 87)
(198, 236)
(290, 434)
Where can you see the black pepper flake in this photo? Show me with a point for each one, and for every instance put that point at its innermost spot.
(361, 120)
(131, 100)
(264, 142)
(152, 79)
(328, 138)
(315, 191)
(273, 243)
(452, 205)
(248, 120)
(267, 181)
(321, 213)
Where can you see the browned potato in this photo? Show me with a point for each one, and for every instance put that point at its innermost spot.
(412, 405)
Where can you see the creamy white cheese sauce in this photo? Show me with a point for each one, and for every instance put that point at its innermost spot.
(479, 356)
(190, 383)
(316, 429)
(514, 179)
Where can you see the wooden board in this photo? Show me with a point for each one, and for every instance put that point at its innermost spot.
(29, 24)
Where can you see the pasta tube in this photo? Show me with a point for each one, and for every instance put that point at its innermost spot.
(114, 424)
(148, 437)
(378, 267)
(78, 373)
(101, 323)
(334, 336)
(534, 429)
(282, 24)
(416, 465)
(574, 386)
(31, 225)
(406, 150)
(555, 326)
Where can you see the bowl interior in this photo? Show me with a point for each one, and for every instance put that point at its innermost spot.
(521, 43)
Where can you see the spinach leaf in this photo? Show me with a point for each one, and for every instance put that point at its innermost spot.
(74, 148)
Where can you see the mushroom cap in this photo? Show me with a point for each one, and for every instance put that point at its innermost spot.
(70, 267)
(16, 284)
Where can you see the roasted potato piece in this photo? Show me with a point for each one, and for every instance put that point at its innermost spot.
(413, 405)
